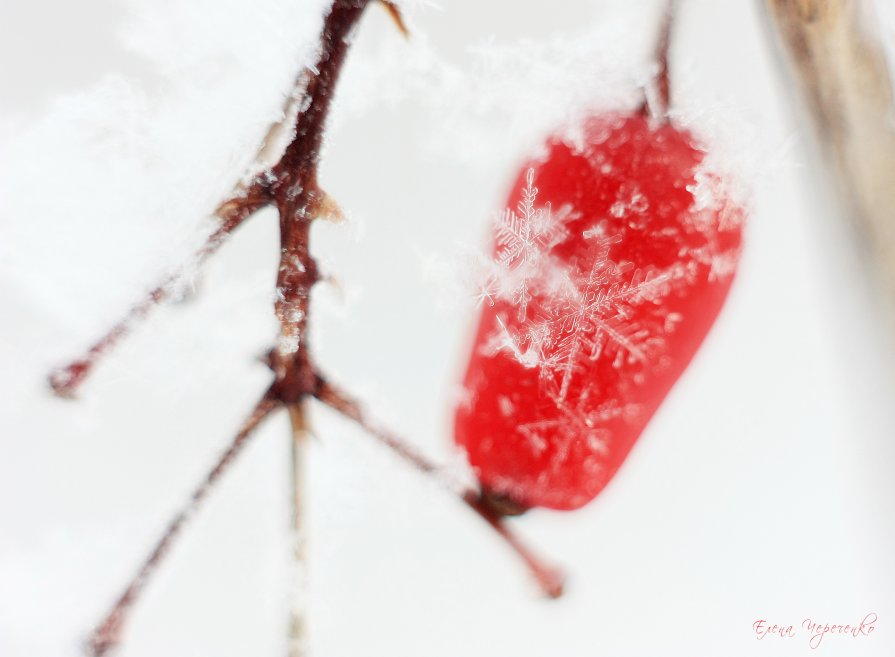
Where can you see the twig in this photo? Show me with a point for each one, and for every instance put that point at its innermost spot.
(108, 633)
(245, 200)
(549, 579)
(291, 186)
(66, 380)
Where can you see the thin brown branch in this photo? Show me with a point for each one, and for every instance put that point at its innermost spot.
(297, 163)
(299, 200)
(66, 380)
(549, 579)
(108, 634)
(291, 185)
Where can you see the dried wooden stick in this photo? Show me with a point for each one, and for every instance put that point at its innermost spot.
(835, 52)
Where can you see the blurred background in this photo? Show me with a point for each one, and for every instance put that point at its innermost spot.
(761, 490)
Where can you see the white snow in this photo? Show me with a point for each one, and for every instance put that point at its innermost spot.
(762, 489)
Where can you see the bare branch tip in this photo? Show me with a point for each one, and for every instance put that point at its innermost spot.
(65, 381)
(105, 639)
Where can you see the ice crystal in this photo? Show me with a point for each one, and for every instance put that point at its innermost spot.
(572, 425)
(524, 237)
(595, 320)
(566, 316)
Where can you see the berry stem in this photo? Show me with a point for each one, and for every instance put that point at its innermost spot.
(550, 580)
(657, 100)
(663, 85)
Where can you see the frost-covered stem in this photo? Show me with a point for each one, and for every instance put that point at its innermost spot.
(66, 380)
(295, 173)
(107, 635)
(835, 50)
(549, 579)
(298, 625)
(291, 186)
(299, 200)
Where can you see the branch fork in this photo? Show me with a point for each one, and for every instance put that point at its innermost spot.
(291, 186)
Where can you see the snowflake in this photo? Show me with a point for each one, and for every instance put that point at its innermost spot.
(566, 317)
(576, 424)
(524, 237)
(595, 320)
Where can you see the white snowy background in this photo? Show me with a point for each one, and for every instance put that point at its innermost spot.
(762, 489)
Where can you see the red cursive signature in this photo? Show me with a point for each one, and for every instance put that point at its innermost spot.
(816, 631)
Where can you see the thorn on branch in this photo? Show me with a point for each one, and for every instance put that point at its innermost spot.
(396, 16)
(329, 209)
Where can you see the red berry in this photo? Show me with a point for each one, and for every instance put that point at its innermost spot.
(607, 277)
